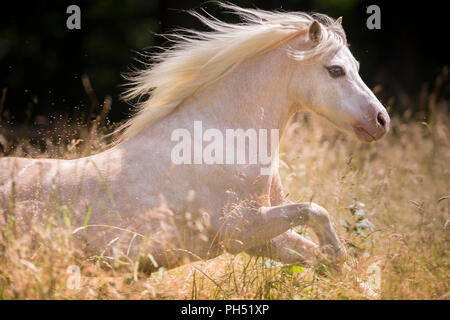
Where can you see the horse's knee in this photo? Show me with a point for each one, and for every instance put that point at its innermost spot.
(318, 215)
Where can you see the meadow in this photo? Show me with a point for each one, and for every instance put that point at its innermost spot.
(389, 202)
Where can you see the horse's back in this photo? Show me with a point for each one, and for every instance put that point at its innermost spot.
(10, 166)
(24, 172)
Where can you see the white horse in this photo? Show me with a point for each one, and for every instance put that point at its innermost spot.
(251, 75)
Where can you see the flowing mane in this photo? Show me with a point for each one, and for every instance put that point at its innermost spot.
(197, 59)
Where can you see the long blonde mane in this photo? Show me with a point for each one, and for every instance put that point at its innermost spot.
(197, 59)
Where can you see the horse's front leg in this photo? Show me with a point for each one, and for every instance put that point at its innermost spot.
(246, 228)
(290, 247)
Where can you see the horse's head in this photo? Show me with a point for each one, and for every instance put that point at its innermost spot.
(331, 87)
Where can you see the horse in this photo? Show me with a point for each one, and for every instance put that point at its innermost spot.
(254, 74)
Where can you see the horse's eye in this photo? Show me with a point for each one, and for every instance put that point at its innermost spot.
(335, 71)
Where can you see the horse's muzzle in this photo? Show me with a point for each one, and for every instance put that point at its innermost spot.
(374, 128)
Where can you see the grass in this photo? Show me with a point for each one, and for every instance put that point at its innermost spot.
(389, 202)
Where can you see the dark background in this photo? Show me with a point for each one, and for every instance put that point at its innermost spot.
(42, 62)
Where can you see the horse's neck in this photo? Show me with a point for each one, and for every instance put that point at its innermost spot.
(253, 96)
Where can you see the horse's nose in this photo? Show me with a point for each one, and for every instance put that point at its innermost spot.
(382, 124)
(381, 120)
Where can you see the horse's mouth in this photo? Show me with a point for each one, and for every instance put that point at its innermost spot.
(362, 134)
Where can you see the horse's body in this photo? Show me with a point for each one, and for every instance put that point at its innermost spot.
(197, 208)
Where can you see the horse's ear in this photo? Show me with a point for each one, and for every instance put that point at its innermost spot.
(339, 20)
(315, 32)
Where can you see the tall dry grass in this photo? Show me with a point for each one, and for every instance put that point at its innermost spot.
(389, 202)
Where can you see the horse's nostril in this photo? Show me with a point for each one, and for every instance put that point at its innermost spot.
(381, 120)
